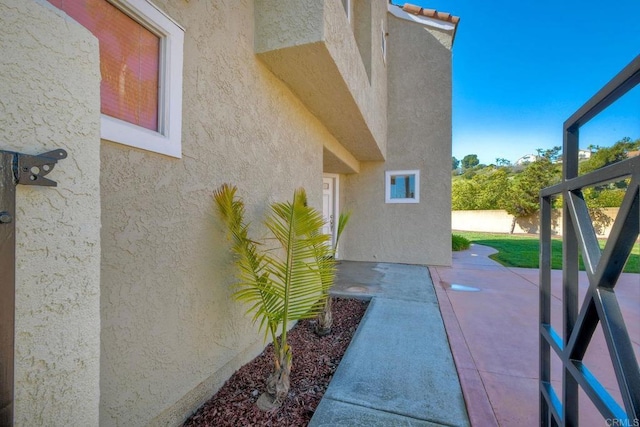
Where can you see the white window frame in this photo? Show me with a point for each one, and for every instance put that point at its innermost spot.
(168, 139)
(387, 195)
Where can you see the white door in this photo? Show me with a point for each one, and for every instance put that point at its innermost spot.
(328, 207)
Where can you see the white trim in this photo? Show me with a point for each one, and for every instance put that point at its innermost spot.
(168, 140)
(384, 42)
(423, 20)
(387, 186)
(336, 206)
(336, 187)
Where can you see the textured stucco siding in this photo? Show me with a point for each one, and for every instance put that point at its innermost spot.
(419, 137)
(49, 99)
(312, 47)
(124, 313)
(285, 23)
(369, 93)
(171, 334)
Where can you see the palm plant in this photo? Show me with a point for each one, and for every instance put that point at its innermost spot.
(279, 286)
(325, 318)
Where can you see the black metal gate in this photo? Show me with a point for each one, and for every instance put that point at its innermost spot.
(15, 168)
(603, 268)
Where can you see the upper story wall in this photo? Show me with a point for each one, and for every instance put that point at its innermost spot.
(335, 66)
(420, 128)
(419, 138)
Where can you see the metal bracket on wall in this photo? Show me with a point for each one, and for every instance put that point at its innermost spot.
(15, 168)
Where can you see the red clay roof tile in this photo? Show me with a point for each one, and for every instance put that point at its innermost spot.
(431, 13)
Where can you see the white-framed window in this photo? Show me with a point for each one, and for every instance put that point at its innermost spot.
(141, 57)
(402, 186)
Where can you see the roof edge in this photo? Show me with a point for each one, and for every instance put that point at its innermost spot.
(430, 17)
(431, 13)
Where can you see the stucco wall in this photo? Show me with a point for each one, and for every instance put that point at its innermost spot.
(419, 137)
(312, 47)
(369, 89)
(171, 334)
(49, 99)
(282, 24)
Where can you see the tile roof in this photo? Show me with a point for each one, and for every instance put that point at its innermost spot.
(433, 14)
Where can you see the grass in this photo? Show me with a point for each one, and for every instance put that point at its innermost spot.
(523, 251)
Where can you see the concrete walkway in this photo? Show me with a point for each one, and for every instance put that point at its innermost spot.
(493, 333)
(398, 369)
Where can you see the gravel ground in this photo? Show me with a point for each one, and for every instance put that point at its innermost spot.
(315, 359)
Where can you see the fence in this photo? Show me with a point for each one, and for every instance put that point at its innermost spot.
(498, 221)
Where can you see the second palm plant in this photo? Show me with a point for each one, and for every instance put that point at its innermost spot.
(280, 286)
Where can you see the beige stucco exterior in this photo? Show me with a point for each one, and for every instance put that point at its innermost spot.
(50, 99)
(312, 47)
(170, 328)
(419, 138)
(124, 274)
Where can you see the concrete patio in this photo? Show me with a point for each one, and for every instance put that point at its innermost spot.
(493, 335)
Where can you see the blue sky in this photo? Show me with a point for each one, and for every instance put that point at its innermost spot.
(521, 68)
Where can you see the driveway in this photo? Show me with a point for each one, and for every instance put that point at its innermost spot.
(490, 314)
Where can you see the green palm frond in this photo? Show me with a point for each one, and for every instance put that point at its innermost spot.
(279, 286)
(343, 219)
(295, 226)
(253, 279)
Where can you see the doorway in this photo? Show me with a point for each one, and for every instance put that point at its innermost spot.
(330, 193)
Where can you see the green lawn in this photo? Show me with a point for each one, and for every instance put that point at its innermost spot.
(523, 251)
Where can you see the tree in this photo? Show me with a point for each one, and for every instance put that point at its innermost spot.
(485, 189)
(611, 194)
(325, 317)
(454, 163)
(524, 194)
(282, 289)
(492, 188)
(551, 154)
(605, 156)
(469, 161)
(463, 192)
(501, 162)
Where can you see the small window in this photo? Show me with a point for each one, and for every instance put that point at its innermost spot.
(141, 67)
(402, 186)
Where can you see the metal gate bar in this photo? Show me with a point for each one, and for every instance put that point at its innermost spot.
(603, 268)
(15, 168)
(7, 286)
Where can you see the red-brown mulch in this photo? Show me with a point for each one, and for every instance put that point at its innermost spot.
(315, 360)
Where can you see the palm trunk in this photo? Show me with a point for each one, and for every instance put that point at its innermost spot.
(278, 382)
(324, 321)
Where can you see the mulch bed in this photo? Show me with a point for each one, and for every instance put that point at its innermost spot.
(315, 360)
